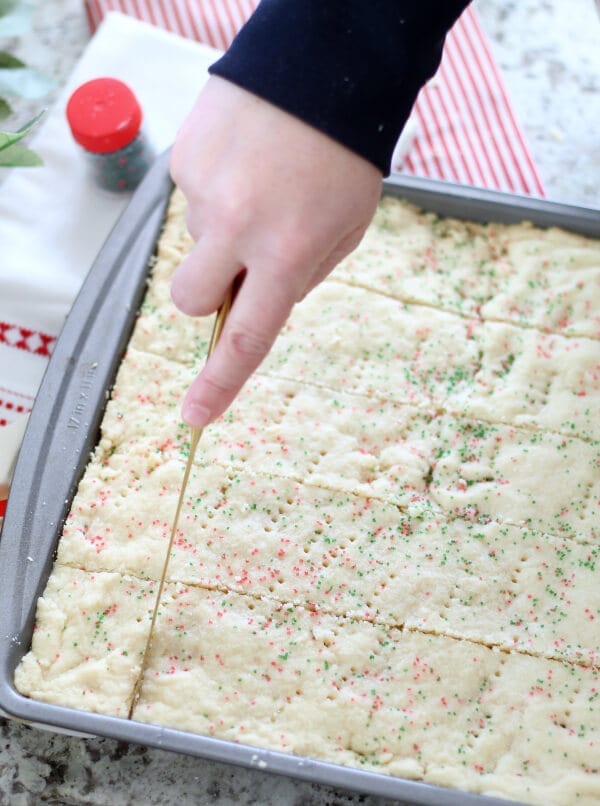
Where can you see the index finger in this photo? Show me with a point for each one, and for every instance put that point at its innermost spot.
(258, 313)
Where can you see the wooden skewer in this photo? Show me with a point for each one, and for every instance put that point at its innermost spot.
(196, 433)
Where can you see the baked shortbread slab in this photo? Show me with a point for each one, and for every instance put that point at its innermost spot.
(398, 515)
(350, 555)
(386, 700)
(90, 634)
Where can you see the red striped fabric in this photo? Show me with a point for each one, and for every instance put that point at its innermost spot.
(214, 22)
(467, 131)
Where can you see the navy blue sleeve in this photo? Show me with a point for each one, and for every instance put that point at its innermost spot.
(350, 68)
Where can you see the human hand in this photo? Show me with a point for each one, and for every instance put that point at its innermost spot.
(272, 200)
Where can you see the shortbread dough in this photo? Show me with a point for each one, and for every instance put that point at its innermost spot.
(388, 552)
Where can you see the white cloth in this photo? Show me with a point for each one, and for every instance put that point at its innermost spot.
(53, 219)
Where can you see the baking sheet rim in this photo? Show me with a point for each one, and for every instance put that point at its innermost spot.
(450, 200)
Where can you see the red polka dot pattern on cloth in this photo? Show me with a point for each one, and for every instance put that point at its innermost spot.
(15, 340)
(11, 405)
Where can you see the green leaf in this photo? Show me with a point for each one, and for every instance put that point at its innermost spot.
(19, 156)
(9, 62)
(25, 82)
(7, 139)
(5, 109)
(15, 18)
(6, 6)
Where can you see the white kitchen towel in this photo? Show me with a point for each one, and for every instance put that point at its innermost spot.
(53, 219)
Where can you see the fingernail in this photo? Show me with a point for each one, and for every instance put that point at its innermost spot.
(195, 415)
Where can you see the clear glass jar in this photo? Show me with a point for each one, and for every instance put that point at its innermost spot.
(105, 118)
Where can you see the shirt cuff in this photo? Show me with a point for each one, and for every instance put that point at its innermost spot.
(350, 68)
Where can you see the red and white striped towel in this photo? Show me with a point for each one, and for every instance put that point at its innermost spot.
(466, 130)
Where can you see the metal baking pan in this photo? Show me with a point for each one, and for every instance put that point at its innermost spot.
(63, 430)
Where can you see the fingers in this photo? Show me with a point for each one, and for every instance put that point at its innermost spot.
(252, 207)
(259, 311)
(202, 279)
(263, 302)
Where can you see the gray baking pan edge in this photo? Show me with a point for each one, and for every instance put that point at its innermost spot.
(63, 430)
(475, 204)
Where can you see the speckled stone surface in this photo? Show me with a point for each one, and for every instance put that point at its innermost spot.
(39, 767)
(549, 54)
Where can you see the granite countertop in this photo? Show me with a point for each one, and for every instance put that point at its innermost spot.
(549, 55)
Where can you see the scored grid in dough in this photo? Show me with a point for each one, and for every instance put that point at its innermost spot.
(556, 278)
(532, 478)
(419, 258)
(355, 692)
(495, 583)
(295, 673)
(508, 549)
(542, 380)
(376, 448)
(85, 652)
(481, 269)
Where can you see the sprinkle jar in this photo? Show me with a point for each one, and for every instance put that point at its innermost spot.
(106, 120)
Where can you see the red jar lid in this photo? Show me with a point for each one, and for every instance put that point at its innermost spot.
(104, 115)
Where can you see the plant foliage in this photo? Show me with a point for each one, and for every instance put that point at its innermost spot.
(16, 78)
